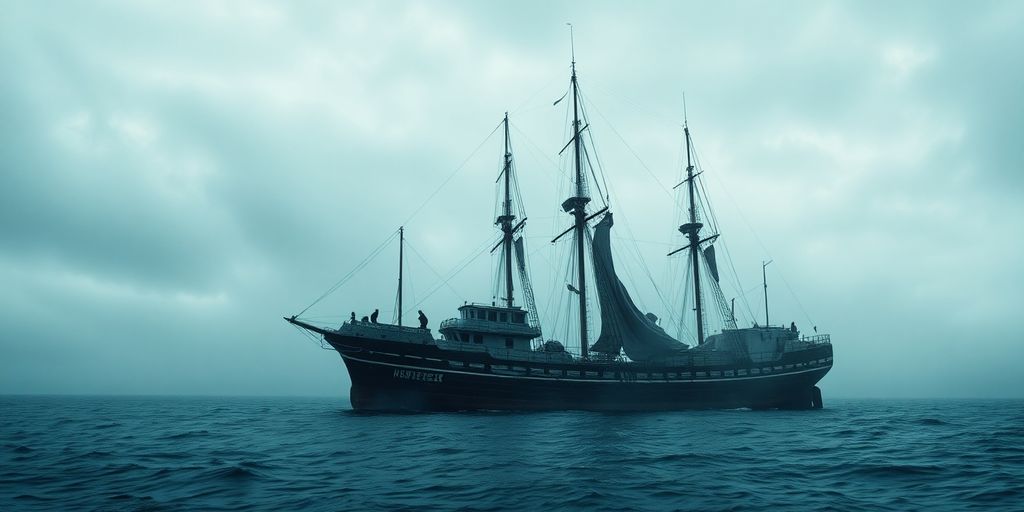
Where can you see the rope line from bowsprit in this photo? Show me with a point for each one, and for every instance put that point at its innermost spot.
(353, 272)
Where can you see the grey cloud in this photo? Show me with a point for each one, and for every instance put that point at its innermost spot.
(176, 178)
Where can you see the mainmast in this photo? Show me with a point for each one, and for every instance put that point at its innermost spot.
(578, 207)
(692, 229)
(506, 218)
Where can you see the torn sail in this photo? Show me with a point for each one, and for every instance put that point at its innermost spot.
(623, 326)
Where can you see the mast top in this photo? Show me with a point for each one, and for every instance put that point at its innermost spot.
(685, 122)
(572, 49)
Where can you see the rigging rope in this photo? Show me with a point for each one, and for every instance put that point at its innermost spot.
(482, 248)
(424, 260)
(452, 175)
(343, 280)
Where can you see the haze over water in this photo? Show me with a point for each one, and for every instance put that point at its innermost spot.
(169, 453)
(177, 176)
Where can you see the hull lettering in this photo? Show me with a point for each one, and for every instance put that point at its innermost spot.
(418, 376)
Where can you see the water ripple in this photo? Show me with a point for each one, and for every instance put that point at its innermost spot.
(316, 454)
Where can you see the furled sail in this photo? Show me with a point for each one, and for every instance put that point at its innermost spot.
(623, 326)
(709, 255)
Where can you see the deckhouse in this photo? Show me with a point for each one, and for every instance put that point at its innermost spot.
(491, 326)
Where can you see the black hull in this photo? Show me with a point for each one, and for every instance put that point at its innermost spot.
(399, 376)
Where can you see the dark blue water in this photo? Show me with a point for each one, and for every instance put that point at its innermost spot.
(116, 453)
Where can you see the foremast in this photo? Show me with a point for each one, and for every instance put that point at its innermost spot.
(506, 218)
(511, 242)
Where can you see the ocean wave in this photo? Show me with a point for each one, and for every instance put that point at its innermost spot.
(229, 454)
(186, 435)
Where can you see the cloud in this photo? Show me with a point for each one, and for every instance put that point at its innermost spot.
(177, 177)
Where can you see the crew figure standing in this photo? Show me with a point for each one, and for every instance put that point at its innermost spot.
(373, 316)
(352, 319)
(423, 320)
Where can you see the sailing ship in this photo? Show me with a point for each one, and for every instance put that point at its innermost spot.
(494, 356)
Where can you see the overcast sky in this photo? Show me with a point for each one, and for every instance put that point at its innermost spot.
(177, 176)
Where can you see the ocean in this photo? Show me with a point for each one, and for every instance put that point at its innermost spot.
(192, 453)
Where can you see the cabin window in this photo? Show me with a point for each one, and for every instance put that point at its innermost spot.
(503, 316)
(519, 318)
(508, 343)
(492, 316)
(471, 314)
(478, 338)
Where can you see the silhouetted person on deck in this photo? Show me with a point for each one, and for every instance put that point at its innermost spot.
(423, 320)
(792, 328)
(373, 316)
(352, 319)
(365, 319)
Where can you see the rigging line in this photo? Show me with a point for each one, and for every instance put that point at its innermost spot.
(394, 310)
(452, 175)
(351, 273)
(736, 284)
(435, 272)
(554, 78)
(637, 240)
(713, 217)
(669, 121)
(597, 184)
(534, 147)
(496, 278)
(635, 155)
(600, 166)
(314, 339)
(643, 264)
(798, 303)
(481, 249)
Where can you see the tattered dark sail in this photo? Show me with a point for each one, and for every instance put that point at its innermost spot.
(623, 326)
(709, 255)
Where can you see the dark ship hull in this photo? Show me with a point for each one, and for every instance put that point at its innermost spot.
(401, 376)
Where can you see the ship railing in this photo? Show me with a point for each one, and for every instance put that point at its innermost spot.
(817, 338)
(489, 326)
(406, 330)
